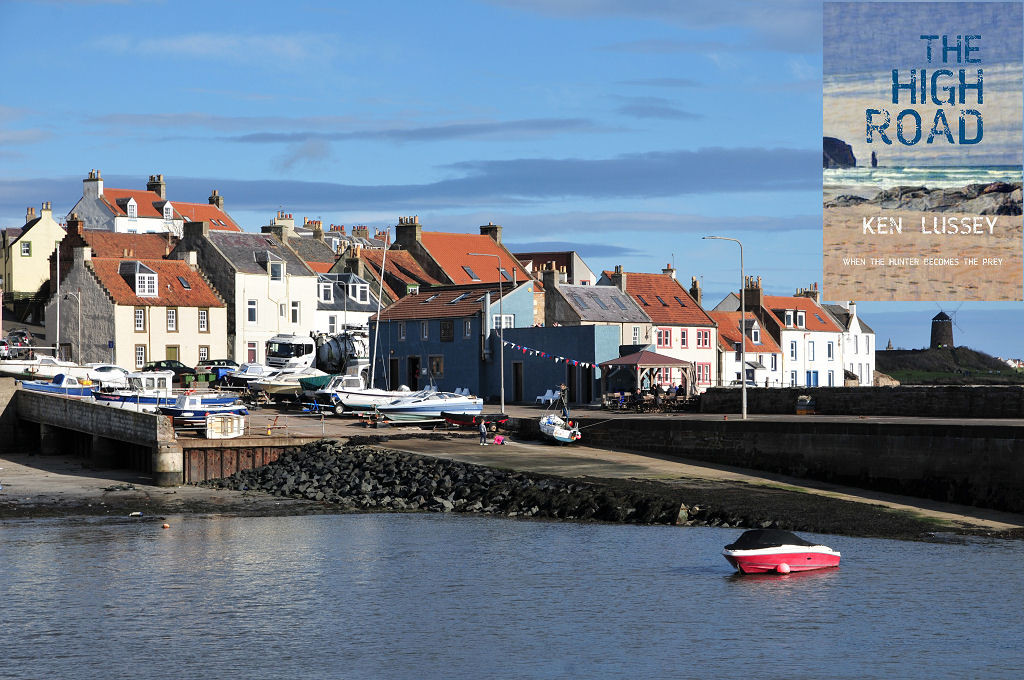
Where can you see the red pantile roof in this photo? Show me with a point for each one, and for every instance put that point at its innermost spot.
(206, 212)
(729, 334)
(451, 252)
(664, 299)
(815, 318)
(136, 246)
(438, 303)
(320, 267)
(170, 291)
(146, 200)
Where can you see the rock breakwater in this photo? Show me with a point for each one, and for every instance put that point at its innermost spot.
(996, 198)
(371, 479)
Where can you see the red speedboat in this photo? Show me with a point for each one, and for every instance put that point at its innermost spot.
(764, 551)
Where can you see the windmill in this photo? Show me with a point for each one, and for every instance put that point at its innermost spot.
(942, 328)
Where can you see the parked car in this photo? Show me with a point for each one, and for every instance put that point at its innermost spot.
(108, 375)
(179, 369)
(5, 350)
(218, 366)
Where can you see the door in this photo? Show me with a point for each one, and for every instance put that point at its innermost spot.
(570, 383)
(413, 366)
(517, 381)
(393, 377)
(812, 378)
(172, 352)
(588, 385)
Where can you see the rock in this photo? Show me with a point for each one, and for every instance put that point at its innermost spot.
(837, 154)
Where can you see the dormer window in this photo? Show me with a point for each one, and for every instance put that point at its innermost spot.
(141, 278)
(360, 292)
(335, 244)
(132, 209)
(789, 318)
(168, 212)
(276, 270)
(327, 291)
(755, 336)
(800, 319)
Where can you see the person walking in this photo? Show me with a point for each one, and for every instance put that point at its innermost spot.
(483, 432)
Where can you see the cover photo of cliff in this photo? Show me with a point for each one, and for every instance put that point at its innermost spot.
(922, 151)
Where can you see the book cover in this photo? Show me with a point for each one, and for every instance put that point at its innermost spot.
(922, 151)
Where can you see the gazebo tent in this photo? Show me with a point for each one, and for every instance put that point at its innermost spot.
(628, 372)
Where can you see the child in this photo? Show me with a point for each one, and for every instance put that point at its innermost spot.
(483, 432)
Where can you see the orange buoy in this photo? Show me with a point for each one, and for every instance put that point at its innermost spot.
(783, 568)
(166, 526)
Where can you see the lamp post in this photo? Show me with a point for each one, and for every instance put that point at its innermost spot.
(743, 327)
(78, 299)
(501, 331)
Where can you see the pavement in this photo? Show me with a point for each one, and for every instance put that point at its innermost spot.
(54, 481)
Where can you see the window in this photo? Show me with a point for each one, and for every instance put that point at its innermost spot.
(140, 319)
(664, 337)
(204, 353)
(641, 299)
(703, 374)
(250, 352)
(401, 330)
(295, 311)
(506, 321)
(831, 378)
(184, 283)
(792, 378)
(436, 366)
(812, 378)
(447, 330)
(636, 335)
(867, 344)
(140, 356)
(250, 310)
(789, 319)
(579, 301)
(504, 273)
(133, 210)
(599, 301)
(792, 350)
(204, 320)
(282, 310)
(810, 351)
(704, 338)
(172, 320)
(665, 304)
(680, 301)
(335, 243)
(467, 328)
(829, 352)
(461, 296)
(332, 324)
(145, 285)
(168, 212)
(470, 272)
(327, 291)
(618, 301)
(755, 336)
(682, 338)
(800, 319)
(26, 249)
(276, 270)
(424, 330)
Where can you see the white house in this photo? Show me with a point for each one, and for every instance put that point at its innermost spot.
(764, 358)
(858, 345)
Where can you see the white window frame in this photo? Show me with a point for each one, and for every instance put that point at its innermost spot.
(168, 212)
(204, 321)
(204, 353)
(401, 330)
(775, 362)
(789, 318)
(703, 338)
(26, 249)
(503, 321)
(424, 330)
(252, 311)
(801, 319)
(830, 350)
(145, 285)
(252, 349)
(172, 319)
(792, 378)
(140, 356)
(810, 350)
(327, 291)
(831, 378)
(636, 335)
(133, 210)
(755, 336)
(467, 328)
(792, 350)
(332, 323)
(296, 311)
(140, 320)
(278, 267)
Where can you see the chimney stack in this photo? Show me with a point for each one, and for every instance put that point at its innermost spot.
(216, 199)
(157, 186)
(30, 214)
(753, 293)
(92, 186)
(408, 231)
(812, 292)
(362, 231)
(46, 210)
(695, 291)
(619, 278)
(670, 270)
(74, 225)
(493, 230)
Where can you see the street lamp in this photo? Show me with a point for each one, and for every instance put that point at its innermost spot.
(78, 299)
(743, 327)
(501, 331)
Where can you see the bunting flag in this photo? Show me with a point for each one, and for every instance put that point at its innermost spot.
(546, 355)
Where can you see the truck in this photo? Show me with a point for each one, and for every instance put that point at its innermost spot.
(345, 352)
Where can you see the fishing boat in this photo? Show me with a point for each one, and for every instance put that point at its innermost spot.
(562, 431)
(427, 406)
(189, 409)
(330, 394)
(148, 390)
(246, 373)
(41, 366)
(765, 551)
(64, 385)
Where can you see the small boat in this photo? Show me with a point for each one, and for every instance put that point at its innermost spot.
(148, 390)
(562, 431)
(284, 384)
(41, 366)
(428, 405)
(246, 373)
(365, 398)
(330, 394)
(472, 420)
(61, 384)
(764, 551)
(189, 409)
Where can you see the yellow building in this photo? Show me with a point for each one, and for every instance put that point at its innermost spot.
(25, 252)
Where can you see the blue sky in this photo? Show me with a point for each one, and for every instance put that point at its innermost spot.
(625, 131)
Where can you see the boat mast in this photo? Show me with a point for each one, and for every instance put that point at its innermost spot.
(380, 295)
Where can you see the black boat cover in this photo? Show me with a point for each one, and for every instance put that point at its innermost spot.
(766, 538)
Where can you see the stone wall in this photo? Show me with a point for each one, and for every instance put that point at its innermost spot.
(971, 464)
(103, 421)
(938, 401)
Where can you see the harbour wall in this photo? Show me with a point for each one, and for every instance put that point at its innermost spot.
(972, 463)
(924, 401)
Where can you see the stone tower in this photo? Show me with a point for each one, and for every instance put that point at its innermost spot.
(942, 331)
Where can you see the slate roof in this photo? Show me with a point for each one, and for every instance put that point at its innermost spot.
(664, 299)
(312, 249)
(842, 315)
(729, 334)
(170, 291)
(602, 303)
(241, 248)
(342, 302)
(645, 358)
(12, 234)
(451, 252)
(443, 303)
(815, 318)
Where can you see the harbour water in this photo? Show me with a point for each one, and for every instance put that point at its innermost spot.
(439, 596)
(867, 181)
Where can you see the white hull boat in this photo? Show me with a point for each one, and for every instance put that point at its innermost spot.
(427, 406)
(283, 384)
(42, 367)
(562, 431)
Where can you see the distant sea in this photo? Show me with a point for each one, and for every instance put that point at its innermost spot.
(867, 181)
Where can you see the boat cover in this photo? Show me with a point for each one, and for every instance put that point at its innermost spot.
(766, 538)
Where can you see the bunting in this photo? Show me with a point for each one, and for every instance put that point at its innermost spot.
(529, 351)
